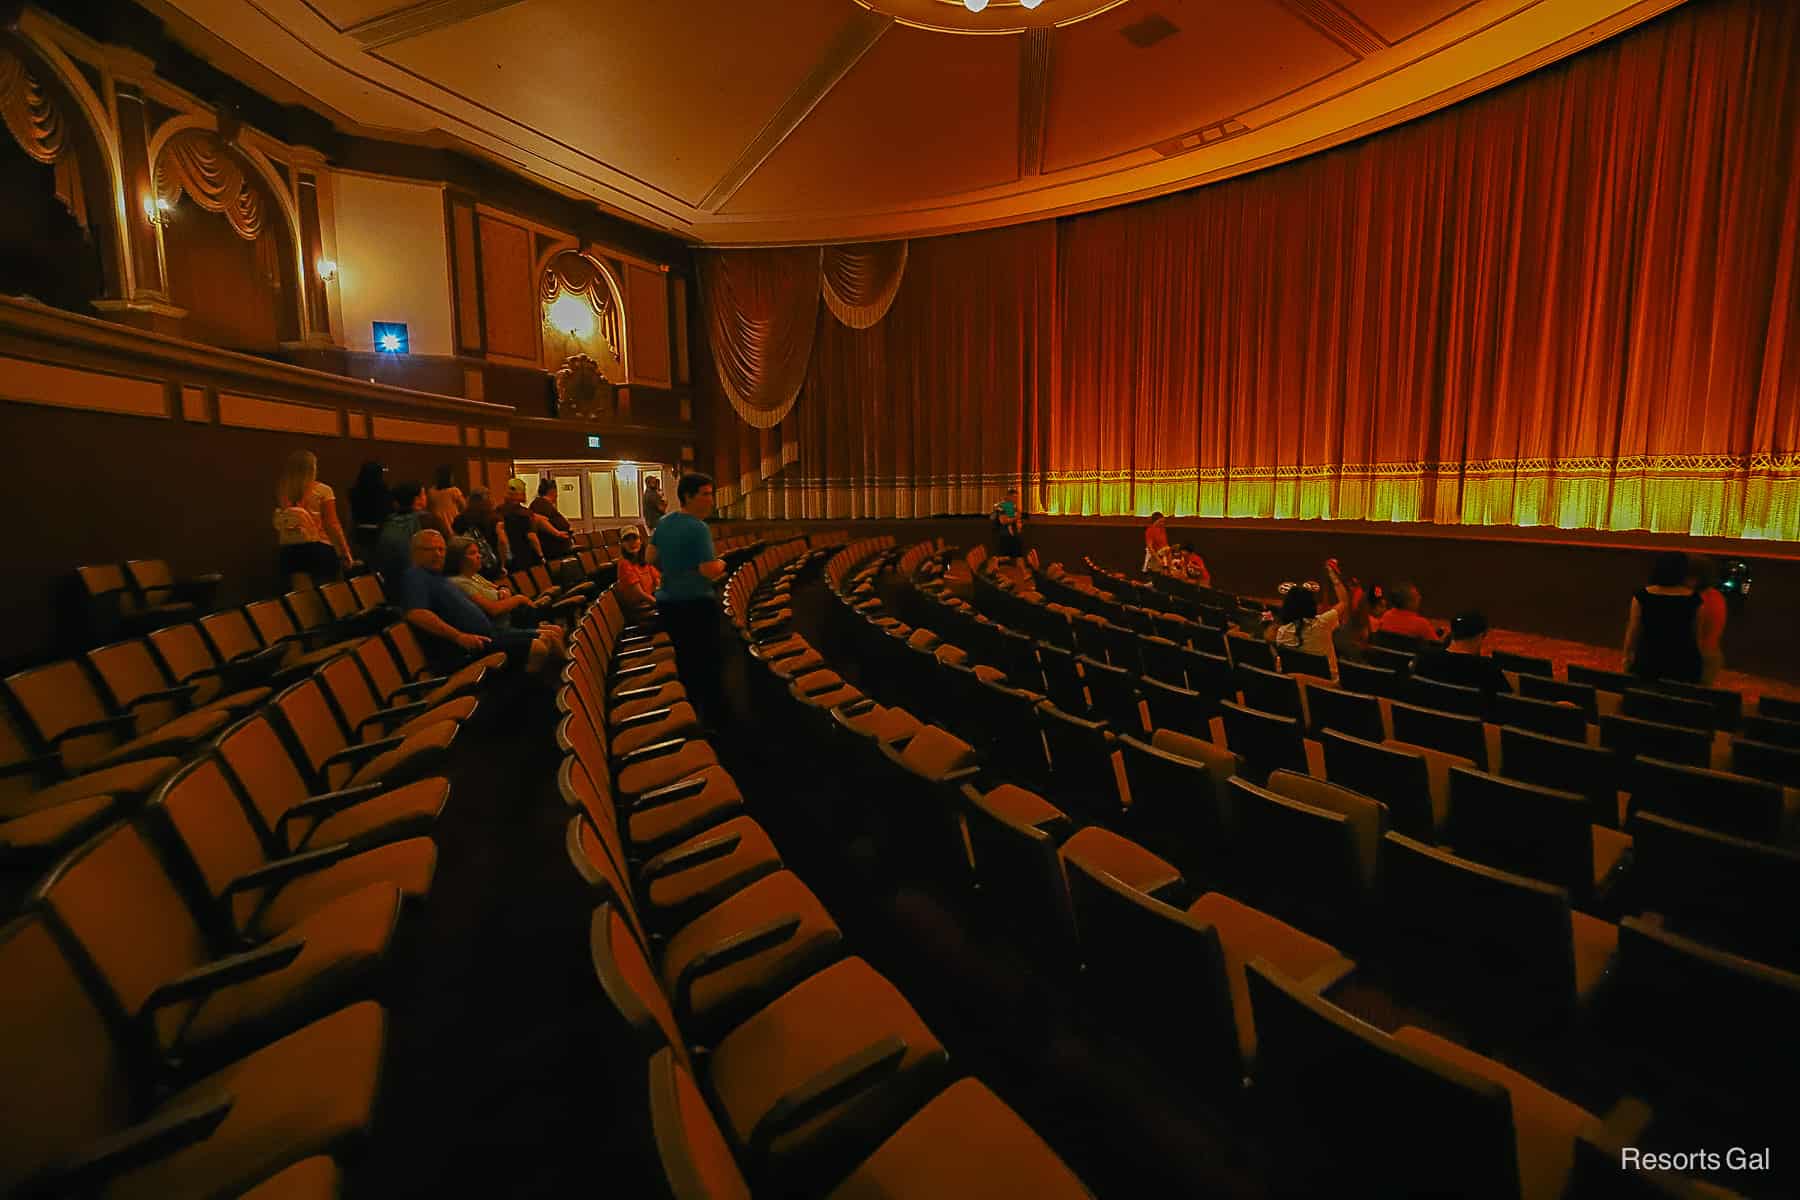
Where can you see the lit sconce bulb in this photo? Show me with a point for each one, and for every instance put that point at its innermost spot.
(327, 270)
(975, 5)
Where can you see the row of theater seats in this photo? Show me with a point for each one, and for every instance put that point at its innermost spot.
(192, 1006)
(135, 597)
(776, 1062)
(1223, 988)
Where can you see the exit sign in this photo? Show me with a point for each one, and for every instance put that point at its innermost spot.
(593, 441)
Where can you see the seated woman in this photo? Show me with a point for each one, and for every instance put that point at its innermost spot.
(1301, 626)
(463, 566)
(1186, 563)
(638, 580)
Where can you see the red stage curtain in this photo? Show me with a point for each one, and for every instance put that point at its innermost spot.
(1569, 302)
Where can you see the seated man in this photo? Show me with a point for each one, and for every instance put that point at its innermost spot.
(638, 580)
(447, 618)
(1462, 662)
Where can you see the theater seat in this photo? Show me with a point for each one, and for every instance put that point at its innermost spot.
(334, 761)
(694, 875)
(315, 1178)
(70, 720)
(82, 1112)
(1247, 935)
(369, 719)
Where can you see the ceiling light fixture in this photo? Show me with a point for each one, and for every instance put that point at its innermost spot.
(1030, 4)
(988, 17)
(975, 5)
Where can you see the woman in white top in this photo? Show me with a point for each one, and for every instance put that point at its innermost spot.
(311, 539)
(462, 562)
(1301, 626)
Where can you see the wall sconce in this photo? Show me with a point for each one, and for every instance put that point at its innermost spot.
(327, 270)
(157, 210)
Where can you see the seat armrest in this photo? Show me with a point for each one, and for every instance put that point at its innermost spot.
(863, 1071)
(705, 852)
(183, 692)
(104, 725)
(668, 794)
(653, 750)
(284, 869)
(634, 693)
(732, 950)
(352, 754)
(856, 708)
(223, 972)
(327, 803)
(83, 1172)
(644, 718)
(417, 685)
(629, 655)
(634, 672)
(398, 714)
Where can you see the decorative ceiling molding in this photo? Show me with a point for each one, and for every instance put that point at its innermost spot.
(410, 22)
(1035, 61)
(855, 38)
(1339, 24)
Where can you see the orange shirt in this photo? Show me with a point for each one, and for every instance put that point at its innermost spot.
(1407, 623)
(1712, 620)
(1156, 537)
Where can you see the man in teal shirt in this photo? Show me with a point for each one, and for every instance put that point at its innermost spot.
(688, 603)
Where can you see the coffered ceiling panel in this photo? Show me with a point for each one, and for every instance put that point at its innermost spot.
(921, 116)
(1145, 72)
(747, 122)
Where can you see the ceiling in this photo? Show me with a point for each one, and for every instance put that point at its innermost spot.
(754, 122)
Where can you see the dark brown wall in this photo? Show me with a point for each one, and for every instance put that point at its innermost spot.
(1563, 584)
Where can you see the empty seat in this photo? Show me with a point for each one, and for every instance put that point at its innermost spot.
(1271, 692)
(1524, 664)
(157, 586)
(1250, 652)
(85, 1111)
(275, 627)
(1448, 732)
(1303, 662)
(1297, 862)
(70, 721)
(1492, 947)
(203, 997)
(1370, 679)
(1112, 695)
(1581, 695)
(1628, 737)
(928, 769)
(1177, 802)
(1727, 891)
(1081, 763)
(1354, 713)
(1775, 731)
(1670, 709)
(674, 805)
(1541, 832)
(333, 761)
(115, 607)
(1449, 1121)
(188, 660)
(368, 719)
(394, 685)
(1718, 800)
(1367, 818)
(1178, 708)
(1265, 741)
(1062, 679)
(1439, 696)
(134, 682)
(1778, 764)
(1606, 681)
(1779, 708)
(1727, 703)
(1551, 718)
(1400, 777)
(1013, 836)
(1210, 674)
(1572, 766)
(1398, 661)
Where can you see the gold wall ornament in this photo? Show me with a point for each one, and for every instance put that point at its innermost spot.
(581, 391)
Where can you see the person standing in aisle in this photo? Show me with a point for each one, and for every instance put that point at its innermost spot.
(654, 503)
(687, 600)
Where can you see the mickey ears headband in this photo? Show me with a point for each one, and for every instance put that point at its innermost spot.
(1311, 585)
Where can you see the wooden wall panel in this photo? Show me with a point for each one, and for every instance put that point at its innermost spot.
(254, 412)
(647, 319)
(508, 295)
(65, 387)
(428, 433)
(465, 259)
(682, 376)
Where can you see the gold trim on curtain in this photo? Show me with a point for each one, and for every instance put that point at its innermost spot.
(761, 311)
(197, 162)
(31, 113)
(860, 282)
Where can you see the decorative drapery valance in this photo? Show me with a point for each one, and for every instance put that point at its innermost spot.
(197, 162)
(37, 123)
(574, 277)
(761, 310)
(860, 282)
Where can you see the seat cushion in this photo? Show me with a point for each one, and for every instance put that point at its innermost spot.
(1545, 1125)
(409, 865)
(752, 982)
(239, 702)
(137, 777)
(423, 744)
(682, 720)
(662, 825)
(402, 812)
(465, 679)
(989, 674)
(678, 892)
(1245, 935)
(693, 757)
(965, 1143)
(665, 695)
(1103, 850)
(815, 1025)
(1609, 847)
(306, 1094)
(343, 941)
(844, 694)
(659, 673)
(884, 724)
(189, 727)
(813, 683)
(49, 830)
(315, 1178)
(932, 753)
(1021, 806)
(457, 711)
(796, 665)
(1595, 943)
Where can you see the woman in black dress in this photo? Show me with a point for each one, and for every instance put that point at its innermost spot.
(1662, 637)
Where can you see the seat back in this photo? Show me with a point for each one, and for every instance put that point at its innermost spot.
(1551, 718)
(128, 674)
(153, 580)
(1400, 779)
(347, 690)
(1250, 652)
(1439, 696)
(367, 590)
(1438, 1130)
(1496, 945)
(1777, 764)
(1062, 678)
(1452, 733)
(1581, 695)
(310, 724)
(340, 601)
(696, 1159)
(232, 635)
(1269, 691)
(1778, 707)
(540, 577)
(1162, 967)
(211, 833)
(1727, 703)
(1400, 662)
(264, 769)
(1265, 741)
(933, 753)
(184, 654)
(308, 609)
(1303, 662)
(116, 899)
(1112, 695)
(271, 618)
(1178, 708)
(101, 581)
(1080, 761)
(61, 697)
(406, 647)
(630, 983)
(1354, 713)
(1775, 731)
(1670, 709)
(1209, 674)
(1178, 803)
(1565, 764)
(1606, 681)
(1369, 679)
(1628, 737)
(1539, 832)
(1524, 664)
(1717, 800)
(1017, 865)
(67, 1066)
(1367, 818)
(1297, 862)
(1727, 891)
(1403, 643)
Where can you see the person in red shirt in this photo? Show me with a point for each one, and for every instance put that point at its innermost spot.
(1403, 617)
(1156, 544)
(1711, 628)
(638, 580)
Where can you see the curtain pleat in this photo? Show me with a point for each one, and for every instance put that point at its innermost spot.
(860, 282)
(197, 163)
(1573, 301)
(761, 309)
